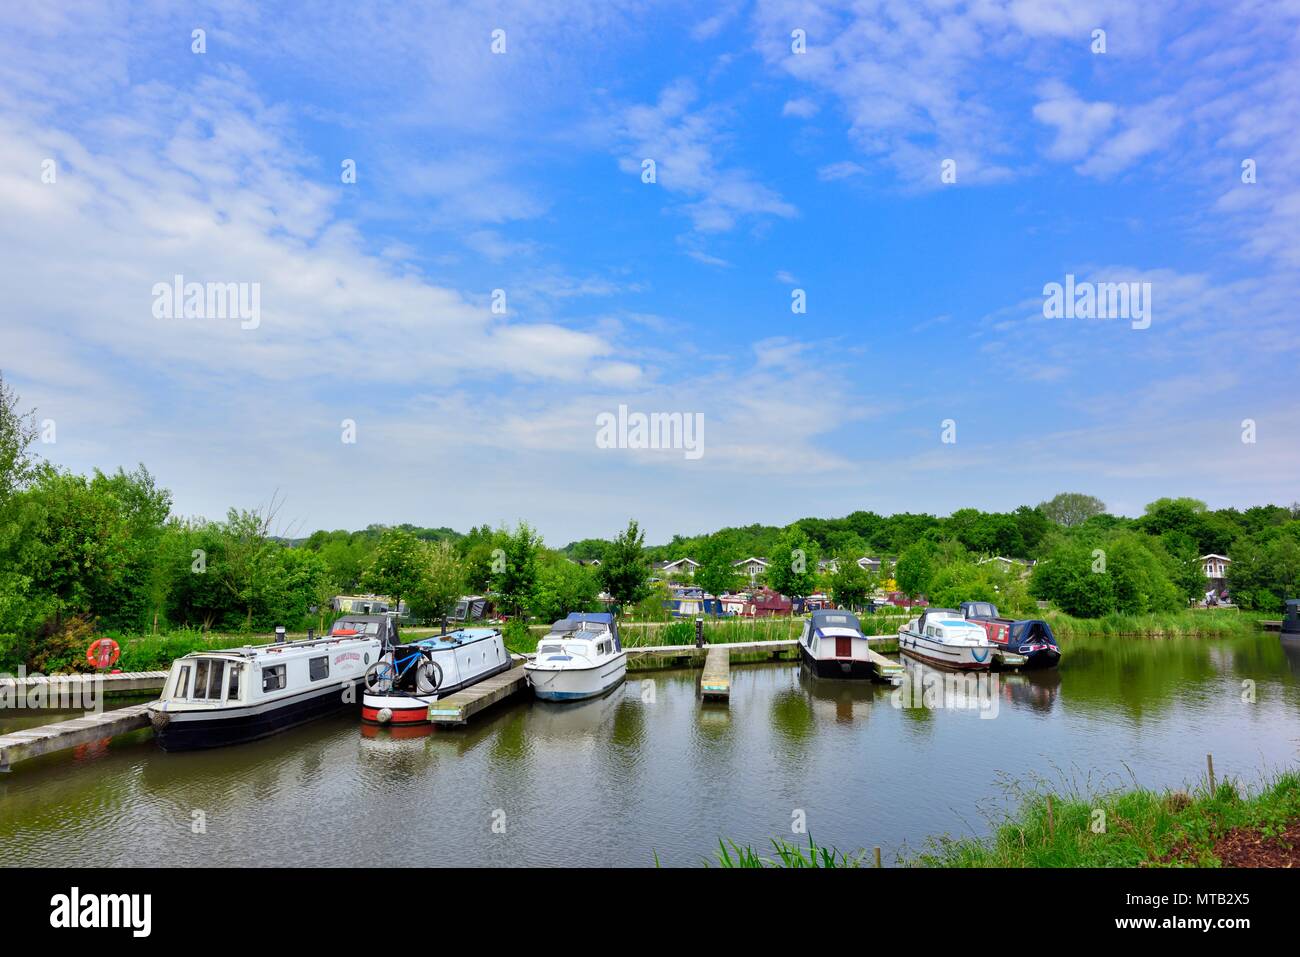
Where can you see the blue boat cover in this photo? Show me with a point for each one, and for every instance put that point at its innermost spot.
(833, 618)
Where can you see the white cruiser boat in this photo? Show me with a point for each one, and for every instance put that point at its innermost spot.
(410, 677)
(214, 698)
(941, 636)
(580, 658)
(833, 646)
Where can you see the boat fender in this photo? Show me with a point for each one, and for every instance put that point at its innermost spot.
(385, 715)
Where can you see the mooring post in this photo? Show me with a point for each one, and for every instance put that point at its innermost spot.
(877, 852)
(1209, 764)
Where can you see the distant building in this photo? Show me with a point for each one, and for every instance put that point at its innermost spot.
(753, 567)
(682, 566)
(1009, 564)
(1215, 566)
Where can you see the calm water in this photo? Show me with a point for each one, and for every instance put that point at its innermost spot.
(613, 781)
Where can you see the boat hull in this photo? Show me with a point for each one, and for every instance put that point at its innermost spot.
(219, 727)
(943, 655)
(855, 668)
(576, 684)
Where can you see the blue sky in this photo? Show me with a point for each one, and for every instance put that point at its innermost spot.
(521, 171)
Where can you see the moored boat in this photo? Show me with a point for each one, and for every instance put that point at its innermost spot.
(940, 636)
(1030, 637)
(410, 677)
(216, 698)
(833, 646)
(581, 657)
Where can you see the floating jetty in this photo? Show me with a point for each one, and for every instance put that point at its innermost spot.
(715, 679)
(458, 708)
(76, 686)
(33, 742)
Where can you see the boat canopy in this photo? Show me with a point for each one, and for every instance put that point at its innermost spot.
(824, 618)
(576, 619)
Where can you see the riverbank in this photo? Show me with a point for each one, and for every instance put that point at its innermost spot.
(1226, 826)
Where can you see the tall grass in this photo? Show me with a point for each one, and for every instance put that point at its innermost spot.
(1136, 828)
(732, 855)
(1179, 624)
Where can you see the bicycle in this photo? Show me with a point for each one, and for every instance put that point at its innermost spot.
(388, 672)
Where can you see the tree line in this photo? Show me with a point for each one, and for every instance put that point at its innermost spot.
(105, 552)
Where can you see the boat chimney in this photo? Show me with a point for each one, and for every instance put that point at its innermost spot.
(279, 634)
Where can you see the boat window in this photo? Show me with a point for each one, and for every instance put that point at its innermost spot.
(182, 682)
(232, 690)
(320, 668)
(201, 678)
(550, 649)
(272, 678)
(216, 671)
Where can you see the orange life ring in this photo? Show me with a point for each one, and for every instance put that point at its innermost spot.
(103, 653)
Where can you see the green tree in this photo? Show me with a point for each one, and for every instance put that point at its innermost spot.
(717, 573)
(1072, 508)
(514, 568)
(914, 569)
(624, 570)
(792, 564)
(850, 582)
(396, 567)
(563, 586)
(441, 582)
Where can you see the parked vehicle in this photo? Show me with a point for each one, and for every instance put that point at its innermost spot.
(1031, 637)
(408, 678)
(215, 698)
(581, 657)
(833, 646)
(940, 636)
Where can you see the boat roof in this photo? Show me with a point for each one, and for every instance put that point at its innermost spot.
(835, 618)
(603, 617)
(461, 636)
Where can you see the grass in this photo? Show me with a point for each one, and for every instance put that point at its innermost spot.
(732, 855)
(1135, 828)
(1179, 624)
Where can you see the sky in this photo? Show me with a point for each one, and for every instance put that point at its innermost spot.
(436, 341)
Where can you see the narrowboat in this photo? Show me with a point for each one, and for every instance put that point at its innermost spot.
(581, 657)
(216, 698)
(832, 645)
(1030, 637)
(409, 677)
(940, 636)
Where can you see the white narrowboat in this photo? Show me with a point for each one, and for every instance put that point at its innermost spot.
(942, 637)
(582, 657)
(215, 698)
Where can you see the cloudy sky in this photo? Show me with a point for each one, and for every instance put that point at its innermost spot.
(775, 171)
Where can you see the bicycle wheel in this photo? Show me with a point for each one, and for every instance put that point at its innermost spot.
(380, 676)
(428, 676)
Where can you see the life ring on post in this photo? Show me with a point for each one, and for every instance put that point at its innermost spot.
(103, 653)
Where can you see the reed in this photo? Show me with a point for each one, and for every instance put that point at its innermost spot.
(1181, 624)
(732, 855)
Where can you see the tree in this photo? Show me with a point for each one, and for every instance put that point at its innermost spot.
(17, 433)
(441, 582)
(396, 567)
(717, 573)
(792, 564)
(624, 568)
(850, 582)
(1072, 508)
(563, 586)
(514, 567)
(914, 569)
